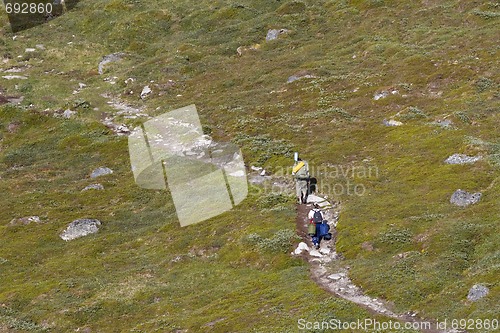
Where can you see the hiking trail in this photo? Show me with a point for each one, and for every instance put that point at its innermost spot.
(330, 273)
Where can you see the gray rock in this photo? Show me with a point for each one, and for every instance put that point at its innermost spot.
(273, 34)
(477, 292)
(145, 92)
(25, 220)
(80, 228)
(463, 198)
(13, 77)
(380, 95)
(68, 114)
(446, 123)
(462, 159)
(299, 76)
(392, 122)
(101, 172)
(93, 187)
(109, 58)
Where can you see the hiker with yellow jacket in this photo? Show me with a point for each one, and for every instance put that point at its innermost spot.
(302, 178)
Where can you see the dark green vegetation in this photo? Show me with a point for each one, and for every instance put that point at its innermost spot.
(142, 272)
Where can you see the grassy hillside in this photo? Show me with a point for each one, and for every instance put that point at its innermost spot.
(430, 61)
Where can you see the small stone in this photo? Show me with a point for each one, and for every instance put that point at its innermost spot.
(109, 58)
(463, 198)
(145, 92)
(380, 95)
(102, 171)
(29, 50)
(13, 77)
(462, 159)
(446, 123)
(273, 34)
(337, 276)
(392, 122)
(254, 168)
(315, 253)
(299, 76)
(263, 172)
(324, 251)
(40, 46)
(93, 187)
(81, 85)
(68, 114)
(477, 292)
(25, 220)
(301, 247)
(80, 228)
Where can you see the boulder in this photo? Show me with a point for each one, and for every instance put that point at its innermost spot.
(477, 292)
(101, 172)
(463, 198)
(80, 228)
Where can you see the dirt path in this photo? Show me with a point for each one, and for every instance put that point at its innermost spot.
(329, 272)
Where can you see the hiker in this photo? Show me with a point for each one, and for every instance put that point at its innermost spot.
(301, 173)
(322, 232)
(318, 226)
(315, 214)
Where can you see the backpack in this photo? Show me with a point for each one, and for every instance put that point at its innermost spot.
(317, 217)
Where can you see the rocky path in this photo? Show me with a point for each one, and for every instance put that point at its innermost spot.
(329, 272)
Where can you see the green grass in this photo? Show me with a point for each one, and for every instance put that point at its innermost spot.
(234, 272)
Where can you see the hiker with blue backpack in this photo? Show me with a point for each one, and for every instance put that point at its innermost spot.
(318, 227)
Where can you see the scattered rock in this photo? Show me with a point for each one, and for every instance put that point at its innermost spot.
(477, 292)
(30, 50)
(446, 123)
(324, 250)
(81, 85)
(15, 70)
(80, 228)
(244, 49)
(314, 199)
(93, 187)
(380, 95)
(13, 77)
(273, 34)
(102, 171)
(462, 159)
(109, 58)
(68, 114)
(25, 220)
(263, 172)
(40, 46)
(300, 75)
(337, 276)
(463, 198)
(367, 246)
(384, 94)
(315, 253)
(254, 168)
(13, 127)
(145, 92)
(392, 122)
(300, 248)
